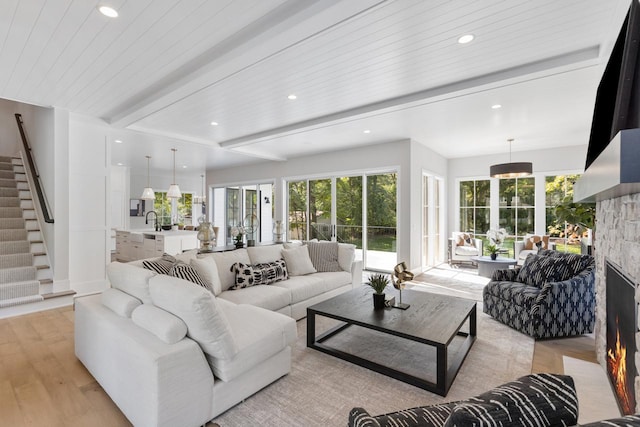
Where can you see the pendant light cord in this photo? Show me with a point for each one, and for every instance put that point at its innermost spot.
(174, 165)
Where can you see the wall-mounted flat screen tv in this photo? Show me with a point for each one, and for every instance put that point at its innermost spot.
(618, 98)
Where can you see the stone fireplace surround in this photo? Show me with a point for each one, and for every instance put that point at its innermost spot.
(613, 182)
(617, 237)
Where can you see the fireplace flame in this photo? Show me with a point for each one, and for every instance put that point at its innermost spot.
(617, 362)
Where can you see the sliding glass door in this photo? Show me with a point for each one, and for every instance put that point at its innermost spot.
(336, 210)
(381, 240)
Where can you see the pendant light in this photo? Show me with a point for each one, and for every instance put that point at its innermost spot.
(147, 193)
(174, 190)
(199, 200)
(511, 170)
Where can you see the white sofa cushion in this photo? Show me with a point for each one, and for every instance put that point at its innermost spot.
(266, 296)
(160, 323)
(302, 287)
(466, 250)
(131, 280)
(522, 256)
(208, 269)
(346, 255)
(298, 261)
(120, 303)
(224, 261)
(197, 307)
(334, 280)
(264, 254)
(260, 334)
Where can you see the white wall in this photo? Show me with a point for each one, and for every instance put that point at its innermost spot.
(89, 201)
(9, 136)
(556, 161)
(407, 157)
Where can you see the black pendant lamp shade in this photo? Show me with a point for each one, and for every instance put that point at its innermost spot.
(511, 169)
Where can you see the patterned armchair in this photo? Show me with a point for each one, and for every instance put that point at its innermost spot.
(551, 295)
(532, 400)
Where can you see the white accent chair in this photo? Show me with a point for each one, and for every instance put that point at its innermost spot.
(530, 245)
(463, 246)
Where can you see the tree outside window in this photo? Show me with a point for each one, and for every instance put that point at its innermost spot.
(163, 208)
(559, 191)
(475, 196)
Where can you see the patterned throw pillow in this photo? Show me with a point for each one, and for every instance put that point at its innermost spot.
(538, 270)
(187, 272)
(324, 256)
(576, 262)
(464, 239)
(534, 400)
(160, 265)
(536, 243)
(259, 274)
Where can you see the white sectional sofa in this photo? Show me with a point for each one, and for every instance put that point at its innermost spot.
(170, 352)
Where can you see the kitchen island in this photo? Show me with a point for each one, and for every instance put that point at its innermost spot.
(132, 245)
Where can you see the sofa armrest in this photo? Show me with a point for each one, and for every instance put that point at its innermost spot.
(478, 244)
(517, 248)
(356, 273)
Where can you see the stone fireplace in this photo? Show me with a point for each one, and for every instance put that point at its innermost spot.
(617, 238)
(613, 182)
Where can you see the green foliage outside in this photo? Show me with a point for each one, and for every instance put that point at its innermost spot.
(381, 210)
(162, 206)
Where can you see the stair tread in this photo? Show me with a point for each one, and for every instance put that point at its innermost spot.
(57, 294)
(38, 253)
(46, 281)
(42, 267)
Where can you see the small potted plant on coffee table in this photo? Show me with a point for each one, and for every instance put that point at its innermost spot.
(378, 283)
(493, 251)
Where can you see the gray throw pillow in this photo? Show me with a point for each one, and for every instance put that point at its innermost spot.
(324, 256)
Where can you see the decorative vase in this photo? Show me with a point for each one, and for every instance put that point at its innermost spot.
(378, 301)
(239, 245)
(494, 256)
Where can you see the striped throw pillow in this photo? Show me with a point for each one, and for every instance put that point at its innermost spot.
(324, 256)
(160, 265)
(187, 272)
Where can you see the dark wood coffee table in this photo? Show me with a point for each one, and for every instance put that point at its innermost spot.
(434, 320)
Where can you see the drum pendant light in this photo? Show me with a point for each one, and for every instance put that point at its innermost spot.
(510, 170)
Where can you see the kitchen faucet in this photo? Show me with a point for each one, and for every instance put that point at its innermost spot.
(155, 220)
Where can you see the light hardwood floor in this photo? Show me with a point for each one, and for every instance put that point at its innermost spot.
(43, 384)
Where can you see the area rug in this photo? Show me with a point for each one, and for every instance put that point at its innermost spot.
(459, 281)
(321, 389)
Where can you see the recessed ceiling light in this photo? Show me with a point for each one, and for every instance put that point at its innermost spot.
(366, 131)
(467, 38)
(292, 96)
(118, 141)
(184, 166)
(120, 164)
(214, 123)
(108, 11)
(496, 106)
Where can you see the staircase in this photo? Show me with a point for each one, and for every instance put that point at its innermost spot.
(24, 271)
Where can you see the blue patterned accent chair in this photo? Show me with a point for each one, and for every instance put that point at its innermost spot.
(551, 295)
(533, 400)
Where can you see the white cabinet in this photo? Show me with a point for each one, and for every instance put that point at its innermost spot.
(134, 245)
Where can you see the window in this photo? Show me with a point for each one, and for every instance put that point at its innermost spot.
(297, 210)
(517, 206)
(475, 201)
(557, 189)
(165, 211)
